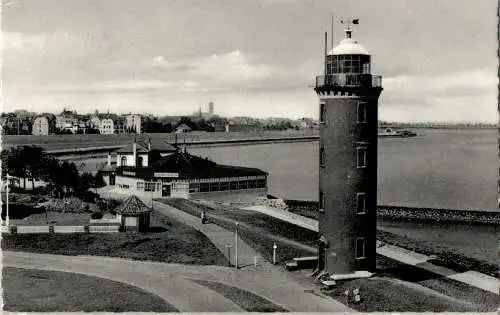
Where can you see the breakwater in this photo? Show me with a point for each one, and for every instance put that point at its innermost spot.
(400, 213)
(197, 144)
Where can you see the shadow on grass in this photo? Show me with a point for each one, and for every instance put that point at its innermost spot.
(156, 229)
(410, 273)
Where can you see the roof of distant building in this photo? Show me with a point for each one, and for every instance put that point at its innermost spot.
(191, 166)
(184, 126)
(105, 167)
(143, 147)
(132, 206)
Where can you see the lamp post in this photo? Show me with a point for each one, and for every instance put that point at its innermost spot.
(236, 246)
(7, 200)
(2, 185)
(274, 253)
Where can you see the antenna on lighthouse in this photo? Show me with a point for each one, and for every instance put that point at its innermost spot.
(326, 51)
(333, 34)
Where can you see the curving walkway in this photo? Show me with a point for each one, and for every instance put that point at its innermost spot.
(186, 296)
(264, 279)
(170, 281)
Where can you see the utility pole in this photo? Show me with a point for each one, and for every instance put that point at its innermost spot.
(236, 247)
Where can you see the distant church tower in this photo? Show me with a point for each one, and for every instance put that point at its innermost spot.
(211, 108)
(348, 100)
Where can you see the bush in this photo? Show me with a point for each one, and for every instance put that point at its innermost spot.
(96, 216)
(88, 196)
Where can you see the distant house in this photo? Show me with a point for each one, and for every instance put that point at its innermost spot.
(120, 125)
(142, 150)
(107, 126)
(40, 126)
(220, 127)
(133, 123)
(183, 128)
(95, 122)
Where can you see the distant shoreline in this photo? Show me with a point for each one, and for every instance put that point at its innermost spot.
(442, 127)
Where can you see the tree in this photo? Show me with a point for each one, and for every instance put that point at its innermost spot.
(33, 157)
(15, 165)
(85, 182)
(99, 181)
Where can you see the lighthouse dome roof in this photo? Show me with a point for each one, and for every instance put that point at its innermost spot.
(349, 46)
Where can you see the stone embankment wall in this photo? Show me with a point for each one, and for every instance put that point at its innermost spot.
(309, 209)
(438, 215)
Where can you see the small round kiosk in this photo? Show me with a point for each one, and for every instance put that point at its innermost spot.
(134, 214)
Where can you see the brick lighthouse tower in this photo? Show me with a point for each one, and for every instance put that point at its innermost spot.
(348, 100)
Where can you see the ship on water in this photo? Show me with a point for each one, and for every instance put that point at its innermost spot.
(395, 133)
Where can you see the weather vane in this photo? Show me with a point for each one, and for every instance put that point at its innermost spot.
(348, 31)
(353, 21)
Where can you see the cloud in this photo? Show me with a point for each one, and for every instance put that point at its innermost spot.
(459, 96)
(17, 42)
(467, 83)
(214, 70)
(222, 73)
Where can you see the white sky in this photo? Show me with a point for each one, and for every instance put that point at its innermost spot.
(438, 58)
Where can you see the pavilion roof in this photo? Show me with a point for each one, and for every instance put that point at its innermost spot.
(132, 206)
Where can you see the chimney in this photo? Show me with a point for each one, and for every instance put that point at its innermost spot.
(134, 152)
(109, 158)
(149, 144)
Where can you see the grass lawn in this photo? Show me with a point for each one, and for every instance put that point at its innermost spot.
(54, 218)
(256, 229)
(249, 301)
(168, 241)
(27, 290)
(384, 294)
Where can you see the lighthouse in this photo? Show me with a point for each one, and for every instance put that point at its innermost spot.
(348, 109)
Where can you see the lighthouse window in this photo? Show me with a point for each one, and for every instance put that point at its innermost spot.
(322, 113)
(361, 203)
(322, 156)
(362, 157)
(361, 112)
(360, 248)
(321, 201)
(366, 68)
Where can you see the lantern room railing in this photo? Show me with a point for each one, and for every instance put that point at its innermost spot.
(347, 79)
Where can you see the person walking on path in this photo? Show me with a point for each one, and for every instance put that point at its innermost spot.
(203, 217)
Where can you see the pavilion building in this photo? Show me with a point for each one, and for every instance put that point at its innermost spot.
(163, 170)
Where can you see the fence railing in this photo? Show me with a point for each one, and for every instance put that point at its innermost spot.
(346, 79)
(45, 229)
(69, 229)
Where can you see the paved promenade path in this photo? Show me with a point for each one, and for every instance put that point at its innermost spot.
(172, 281)
(405, 256)
(264, 279)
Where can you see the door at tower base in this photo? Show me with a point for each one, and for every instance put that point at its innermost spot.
(340, 260)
